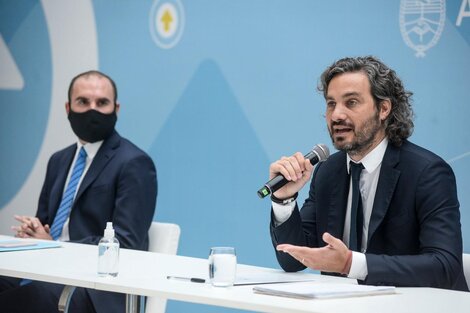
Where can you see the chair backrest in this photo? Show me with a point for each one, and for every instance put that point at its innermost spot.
(466, 268)
(163, 238)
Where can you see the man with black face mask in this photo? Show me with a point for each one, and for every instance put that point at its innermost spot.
(102, 178)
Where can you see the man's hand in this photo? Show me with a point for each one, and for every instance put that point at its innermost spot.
(334, 257)
(31, 227)
(296, 169)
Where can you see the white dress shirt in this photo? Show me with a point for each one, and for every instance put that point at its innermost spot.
(91, 150)
(372, 163)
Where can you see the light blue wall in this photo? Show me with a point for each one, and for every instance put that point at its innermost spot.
(236, 92)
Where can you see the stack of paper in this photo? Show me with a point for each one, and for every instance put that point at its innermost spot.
(270, 278)
(317, 290)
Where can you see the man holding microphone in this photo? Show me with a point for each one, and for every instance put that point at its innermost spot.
(382, 210)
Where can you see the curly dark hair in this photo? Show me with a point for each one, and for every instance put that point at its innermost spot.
(385, 85)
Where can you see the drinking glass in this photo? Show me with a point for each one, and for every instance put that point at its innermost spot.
(222, 266)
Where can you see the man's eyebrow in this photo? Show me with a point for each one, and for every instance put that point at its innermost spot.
(80, 98)
(345, 95)
(351, 94)
(104, 99)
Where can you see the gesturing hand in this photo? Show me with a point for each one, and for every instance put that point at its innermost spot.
(334, 257)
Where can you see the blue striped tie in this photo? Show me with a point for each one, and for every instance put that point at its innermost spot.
(69, 194)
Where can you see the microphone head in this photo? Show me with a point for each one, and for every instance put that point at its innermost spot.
(321, 151)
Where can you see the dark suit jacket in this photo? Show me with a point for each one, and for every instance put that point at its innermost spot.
(120, 186)
(414, 234)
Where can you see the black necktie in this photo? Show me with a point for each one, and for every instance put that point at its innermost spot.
(355, 234)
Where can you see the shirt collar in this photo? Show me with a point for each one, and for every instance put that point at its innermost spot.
(90, 148)
(373, 159)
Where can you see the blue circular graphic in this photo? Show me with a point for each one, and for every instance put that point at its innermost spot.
(166, 22)
(25, 110)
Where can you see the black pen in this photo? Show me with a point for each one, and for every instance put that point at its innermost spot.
(189, 279)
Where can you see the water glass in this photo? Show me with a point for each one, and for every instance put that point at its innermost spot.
(222, 266)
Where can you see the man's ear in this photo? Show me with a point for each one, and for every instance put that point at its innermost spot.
(118, 106)
(385, 109)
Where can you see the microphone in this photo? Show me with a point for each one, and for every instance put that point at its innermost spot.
(319, 153)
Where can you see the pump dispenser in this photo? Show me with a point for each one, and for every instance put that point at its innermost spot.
(108, 253)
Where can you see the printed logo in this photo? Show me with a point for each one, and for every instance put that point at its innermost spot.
(421, 23)
(463, 12)
(166, 23)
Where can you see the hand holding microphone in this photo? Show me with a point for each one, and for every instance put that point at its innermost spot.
(296, 169)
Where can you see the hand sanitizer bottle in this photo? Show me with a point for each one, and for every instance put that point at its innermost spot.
(108, 253)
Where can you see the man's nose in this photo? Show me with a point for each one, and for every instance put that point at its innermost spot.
(338, 113)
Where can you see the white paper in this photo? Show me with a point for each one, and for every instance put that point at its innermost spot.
(269, 278)
(317, 290)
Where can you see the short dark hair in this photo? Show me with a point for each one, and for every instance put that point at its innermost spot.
(91, 73)
(385, 85)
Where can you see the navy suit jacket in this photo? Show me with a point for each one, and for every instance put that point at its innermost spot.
(414, 234)
(120, 186)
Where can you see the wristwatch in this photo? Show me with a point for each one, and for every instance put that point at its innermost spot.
(284, 201)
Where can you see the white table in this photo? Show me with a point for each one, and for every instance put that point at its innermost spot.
(144, 273)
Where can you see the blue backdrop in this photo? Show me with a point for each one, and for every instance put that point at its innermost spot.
(216, 90)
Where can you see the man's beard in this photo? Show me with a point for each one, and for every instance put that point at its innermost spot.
(364, 136)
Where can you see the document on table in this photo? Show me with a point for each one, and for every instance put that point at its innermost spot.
(18, 245)
(317, 290)
(269, 278)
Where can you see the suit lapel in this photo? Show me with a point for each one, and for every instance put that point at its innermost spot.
(105, 153)
(339, 183)
(386, 186)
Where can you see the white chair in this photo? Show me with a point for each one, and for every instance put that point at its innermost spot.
(466, 268)
(163, 238)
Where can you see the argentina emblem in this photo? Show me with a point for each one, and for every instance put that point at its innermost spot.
(166, 22)
(422, 23)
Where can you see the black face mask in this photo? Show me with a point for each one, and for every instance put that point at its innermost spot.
(92, 126)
